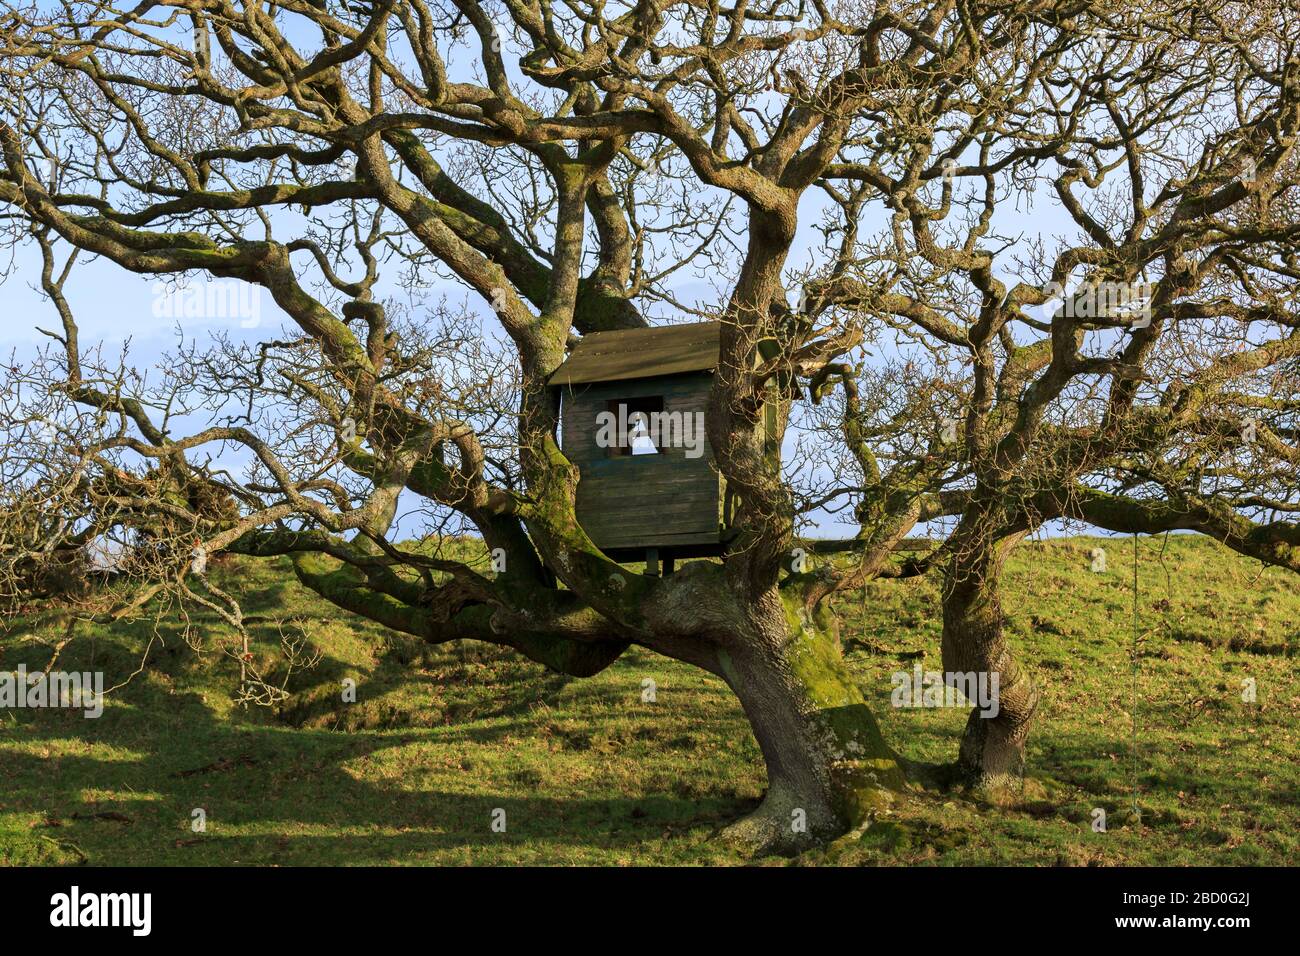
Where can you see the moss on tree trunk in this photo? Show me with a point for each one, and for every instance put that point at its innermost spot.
(829, 768)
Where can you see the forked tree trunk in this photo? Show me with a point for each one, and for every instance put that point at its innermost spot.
(992, 753)
(828, 765)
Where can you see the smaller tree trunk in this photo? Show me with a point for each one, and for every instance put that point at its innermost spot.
(992, 753)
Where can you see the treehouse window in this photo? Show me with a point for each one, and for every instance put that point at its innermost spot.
(631, 426)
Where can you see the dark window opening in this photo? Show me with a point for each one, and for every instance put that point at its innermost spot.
(635, 425)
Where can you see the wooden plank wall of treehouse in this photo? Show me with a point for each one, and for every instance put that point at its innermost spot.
(668, 502)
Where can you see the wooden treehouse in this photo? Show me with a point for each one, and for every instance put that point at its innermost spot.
(632, 407)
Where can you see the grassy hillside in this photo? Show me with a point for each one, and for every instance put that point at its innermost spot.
(588, 773)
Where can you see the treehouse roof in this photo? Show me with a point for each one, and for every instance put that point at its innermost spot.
(640, 353)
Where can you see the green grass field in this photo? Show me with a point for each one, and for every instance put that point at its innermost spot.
(589, 773)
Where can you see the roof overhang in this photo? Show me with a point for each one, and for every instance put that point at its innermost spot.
(640, 353)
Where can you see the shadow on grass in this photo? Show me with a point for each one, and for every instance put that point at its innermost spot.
(123, 789)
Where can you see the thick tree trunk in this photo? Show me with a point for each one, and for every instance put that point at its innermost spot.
(828, 765)
(992, 747)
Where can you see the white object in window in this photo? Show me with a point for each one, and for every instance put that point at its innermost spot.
(639, 435)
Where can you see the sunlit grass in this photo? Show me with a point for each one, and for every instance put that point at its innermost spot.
(587, 772)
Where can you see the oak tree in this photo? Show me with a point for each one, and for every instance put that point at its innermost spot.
(859, 183)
